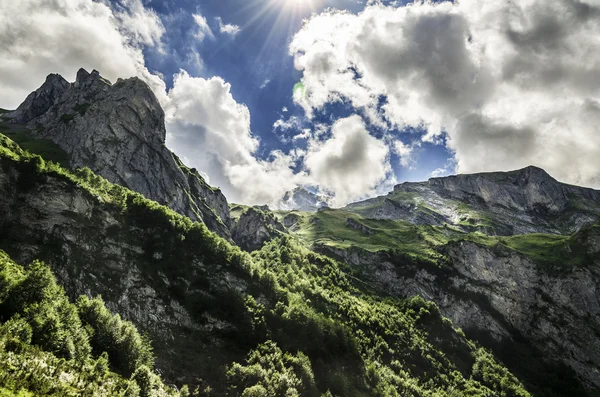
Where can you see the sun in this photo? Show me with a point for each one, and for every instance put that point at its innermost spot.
(298, 3)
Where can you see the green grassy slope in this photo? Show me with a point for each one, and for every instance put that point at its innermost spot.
(43, 147)
(424, 242)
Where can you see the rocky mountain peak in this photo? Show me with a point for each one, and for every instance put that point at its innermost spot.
(527, 200)
(91, 81)
(118, 131)
(525, 189)
(38, 102)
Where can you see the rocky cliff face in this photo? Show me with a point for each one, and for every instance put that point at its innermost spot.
(170, 286)
(497, 203)
(254, 228)
(504, 299)
(118, 131)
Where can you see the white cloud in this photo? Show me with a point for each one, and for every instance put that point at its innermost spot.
(39, 37)
(227, 28)
(511, 83)
(139, 24)
(203, 30)
(403, 151)
(292, 123)
(438, 172)
(205, 125)
(304, 134)
(211, 131)
(350, 164)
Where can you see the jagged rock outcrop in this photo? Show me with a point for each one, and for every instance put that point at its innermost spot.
(255, 227)
(502, 298)
(302, 200)
(291, 220)
(118, 131)
(498, 203)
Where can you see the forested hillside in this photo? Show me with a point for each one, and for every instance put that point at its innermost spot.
(283, 321)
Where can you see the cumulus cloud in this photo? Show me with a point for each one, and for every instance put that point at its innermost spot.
(351, 163)
(211, 131)
(227, 28)
(205, 125)
(510, 83)
(139, 24)
(39, 37)
(447, 169)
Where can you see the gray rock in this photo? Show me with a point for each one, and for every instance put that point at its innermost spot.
(291, 220)
(503, 295)
(254, 228)
(496, 203)
(118, 131)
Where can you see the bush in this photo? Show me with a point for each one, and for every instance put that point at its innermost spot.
(126, 348)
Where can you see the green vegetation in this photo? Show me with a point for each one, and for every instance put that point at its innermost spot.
(42, 147)
(294, 322)
(236, 210)
(425, 242)
(48, 347)
(329, 227)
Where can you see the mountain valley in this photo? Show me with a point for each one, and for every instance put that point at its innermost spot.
(469, 285)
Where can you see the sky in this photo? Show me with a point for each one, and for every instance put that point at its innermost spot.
(344, 97)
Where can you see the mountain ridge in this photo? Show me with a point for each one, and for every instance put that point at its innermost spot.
(232, 323)
(509, 256)
(520, 202)
(118, 131)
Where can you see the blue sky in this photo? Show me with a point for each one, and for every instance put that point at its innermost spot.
(257, 63)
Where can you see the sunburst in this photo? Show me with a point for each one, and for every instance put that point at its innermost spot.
(280, 17)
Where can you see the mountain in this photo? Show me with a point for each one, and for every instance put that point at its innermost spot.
(282, 322)
(497, 203)
(470, 285)
(118, 131)
(303, 200)
(509, 257)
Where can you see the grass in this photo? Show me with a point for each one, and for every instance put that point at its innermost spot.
(236, 210)
(565, 252)
(8, 393)
(42, 147)
(548, 251)
(328, 227)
